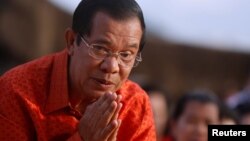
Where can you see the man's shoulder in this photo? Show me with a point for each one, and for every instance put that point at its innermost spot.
(28, 76)
(136, 105)
(133, 86)
(132, 90)
(30, 66)
(30, 82)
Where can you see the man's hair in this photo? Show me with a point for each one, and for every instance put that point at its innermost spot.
(243, 108)
(228, 113)
(117, 9)
(201, 96)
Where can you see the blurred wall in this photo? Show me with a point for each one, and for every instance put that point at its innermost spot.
(180, 68)
(32, 28)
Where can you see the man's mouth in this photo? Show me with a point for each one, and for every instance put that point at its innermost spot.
(103, 81)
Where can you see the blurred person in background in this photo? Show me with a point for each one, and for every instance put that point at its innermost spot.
(193, 112)
(239, 96)
(243, 110)
(82, 92)
(240, 102)
(160, 103)
(228, 115)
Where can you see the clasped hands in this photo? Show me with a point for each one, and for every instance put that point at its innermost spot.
(100, 120)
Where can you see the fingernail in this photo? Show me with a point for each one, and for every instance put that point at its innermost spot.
(119, 97)
(115, 96)
(116, 122)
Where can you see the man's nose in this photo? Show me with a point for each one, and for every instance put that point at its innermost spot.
(110, 64)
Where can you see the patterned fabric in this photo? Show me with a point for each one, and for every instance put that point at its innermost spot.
(35, 105)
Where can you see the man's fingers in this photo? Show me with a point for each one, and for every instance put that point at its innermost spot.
(112, 112)
(107, 102)
(113, 136)
(104, 111)
(116, 114)
(103, 98)
(119, 98)
(119, 106)
(100, 118)
(108, 114)
(111, 128)
(99, 106)
(94, 111)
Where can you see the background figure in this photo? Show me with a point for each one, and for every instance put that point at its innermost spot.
(193, 112)
(160, 105)
(243, 110)
(240, 102)
(228, 115)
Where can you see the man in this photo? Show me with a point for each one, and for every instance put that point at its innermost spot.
(193, 112)
(82, 93)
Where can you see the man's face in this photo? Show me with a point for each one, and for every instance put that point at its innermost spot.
(192, 124)
(160, 110)
(92, 77)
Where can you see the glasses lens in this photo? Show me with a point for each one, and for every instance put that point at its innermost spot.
(98, 52)
(134, 62)
(124, 59)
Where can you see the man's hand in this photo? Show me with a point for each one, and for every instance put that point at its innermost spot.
(100, 121)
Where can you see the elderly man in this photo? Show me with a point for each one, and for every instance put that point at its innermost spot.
(82, 92)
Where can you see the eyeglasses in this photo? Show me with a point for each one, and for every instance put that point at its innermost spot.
(125, 59)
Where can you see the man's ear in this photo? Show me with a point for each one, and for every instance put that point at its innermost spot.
(70, 37)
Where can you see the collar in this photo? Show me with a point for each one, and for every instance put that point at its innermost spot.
(58, 89)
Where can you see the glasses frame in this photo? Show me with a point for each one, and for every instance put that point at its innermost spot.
(137, 58)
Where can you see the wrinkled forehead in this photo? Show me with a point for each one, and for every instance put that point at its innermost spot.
(104, 26)
(103, 19)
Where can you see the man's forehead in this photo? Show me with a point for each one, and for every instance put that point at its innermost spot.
(104, 25)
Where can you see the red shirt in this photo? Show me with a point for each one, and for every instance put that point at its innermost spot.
(167, 138)
(35, 105)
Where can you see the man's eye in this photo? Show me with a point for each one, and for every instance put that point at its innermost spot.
(100, 49)
(126, 55)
